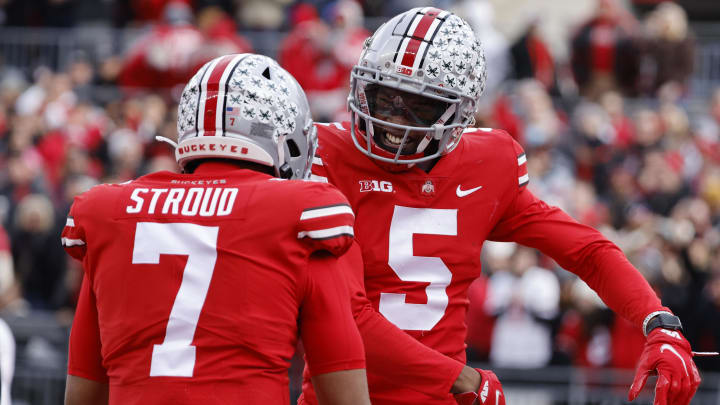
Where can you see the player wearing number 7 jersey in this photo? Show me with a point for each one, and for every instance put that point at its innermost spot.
(198, 285)
(433, 190)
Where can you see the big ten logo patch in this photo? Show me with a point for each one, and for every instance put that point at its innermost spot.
(375, 185)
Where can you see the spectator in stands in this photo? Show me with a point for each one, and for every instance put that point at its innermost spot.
(525, 299)
(263, 14)
(531, 58)
(220, 33)
(591, 336)
(495, 258)
(669, 48)
(604, 51)
(614, 105)
(592, 140)
(320, 56)
(661, 182)
(480, 14)
(174, 49)
(10, 295)
(542, 125)
(707, 129)
(39, 264)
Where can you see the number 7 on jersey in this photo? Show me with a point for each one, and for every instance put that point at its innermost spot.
(175, 357)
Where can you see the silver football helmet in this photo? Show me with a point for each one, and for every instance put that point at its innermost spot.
(246, 107)
(424, 65)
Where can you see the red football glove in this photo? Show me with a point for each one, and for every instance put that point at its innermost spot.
(667, 354)
(489, 393)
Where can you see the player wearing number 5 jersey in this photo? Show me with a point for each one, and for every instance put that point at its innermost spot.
(198, 285)
(427, 191)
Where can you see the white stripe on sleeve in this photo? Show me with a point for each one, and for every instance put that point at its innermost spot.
(326, 212)
(72, 242)
(315, 177)
(317, 161)
(524, 179)
(327, 233)
(522, 159)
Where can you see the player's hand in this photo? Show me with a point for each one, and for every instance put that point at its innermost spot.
(667, 354)
(489, 393)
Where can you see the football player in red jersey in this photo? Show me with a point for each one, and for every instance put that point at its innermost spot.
(427, 191)
(198, 285)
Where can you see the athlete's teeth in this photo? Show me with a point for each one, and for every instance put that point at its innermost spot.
(393, 139)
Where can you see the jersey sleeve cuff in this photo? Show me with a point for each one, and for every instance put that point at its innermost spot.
(324, 368)
(74, 371)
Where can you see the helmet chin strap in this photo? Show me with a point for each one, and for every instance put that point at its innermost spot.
(438, 130)
(166, 140)
(283, 168)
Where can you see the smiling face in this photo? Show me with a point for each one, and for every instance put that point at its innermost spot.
(402, 108)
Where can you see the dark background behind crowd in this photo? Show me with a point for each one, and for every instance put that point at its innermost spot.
(620, 130)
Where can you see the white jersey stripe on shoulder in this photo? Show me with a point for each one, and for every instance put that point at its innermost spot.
(523, 179)
(220, 109)
(315, 177)
(326, 212)
(338, 126)
(522, 159)
(317, 161)
(327, 233)
(72, 242)
(70, 222)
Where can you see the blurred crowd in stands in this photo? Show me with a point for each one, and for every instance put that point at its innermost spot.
(613, 133)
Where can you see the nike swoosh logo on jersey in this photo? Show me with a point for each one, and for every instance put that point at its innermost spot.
(462, 193)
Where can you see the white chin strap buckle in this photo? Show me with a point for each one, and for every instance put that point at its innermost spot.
(166, 140)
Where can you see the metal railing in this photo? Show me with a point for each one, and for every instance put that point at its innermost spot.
(544, 386)
(42, 357)
(560, 385)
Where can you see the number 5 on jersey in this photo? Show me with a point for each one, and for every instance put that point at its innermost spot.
(406, 222)
(175, 357)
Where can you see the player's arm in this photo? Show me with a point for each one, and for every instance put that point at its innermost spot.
(603, 266)
(83, 391)
(582, 250)
(342, 387)
(87, 381)
(333, 346)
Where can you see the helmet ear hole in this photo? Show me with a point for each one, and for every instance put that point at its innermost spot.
(293, 148)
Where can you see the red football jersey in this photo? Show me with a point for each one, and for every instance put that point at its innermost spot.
(421, 235)
(197, 286)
